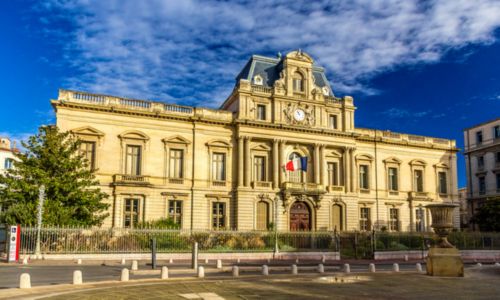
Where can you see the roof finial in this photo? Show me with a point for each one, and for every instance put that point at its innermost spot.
(279, 55)
(300, 51)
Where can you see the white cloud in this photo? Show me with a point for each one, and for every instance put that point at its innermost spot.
(190, 51)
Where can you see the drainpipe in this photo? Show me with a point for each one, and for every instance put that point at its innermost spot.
(192, 176)
(376, 182)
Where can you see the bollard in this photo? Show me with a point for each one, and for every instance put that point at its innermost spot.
(395, 267)
(323, 259)
(171, 261)
(406, 257)
(238, 260)
(135, 265)
(25, 261)
(265, 270)
(194, 256)
(25, 281)
(268, 260)
(125, 275)
(123, 261)
(236, 271)
(321, 268)
(419, 267)
(371, 268)
(206, 260)
(219, 264)
(295, 270)
(153, 253)
(201, 272)
(164, 273)
(497, 264)
(479, 264)
(79, 261)
(77, 277)
(347, 268)
(296, 260)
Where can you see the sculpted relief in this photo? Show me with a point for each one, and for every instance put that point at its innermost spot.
(297, 114)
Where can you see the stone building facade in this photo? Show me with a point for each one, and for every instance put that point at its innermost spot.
(224, 169)
(482, 162)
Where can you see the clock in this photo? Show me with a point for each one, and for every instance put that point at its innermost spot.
(299, 115)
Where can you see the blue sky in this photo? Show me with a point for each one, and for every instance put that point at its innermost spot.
(421, 67)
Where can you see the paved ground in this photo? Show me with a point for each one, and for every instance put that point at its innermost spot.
(50, 272)
(479, 283)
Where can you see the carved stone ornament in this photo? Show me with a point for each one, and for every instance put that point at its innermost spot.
(280, 83)
(308, 110)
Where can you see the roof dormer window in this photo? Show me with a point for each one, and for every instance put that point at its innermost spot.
(298, 82)
(257, 80)
(326, 91)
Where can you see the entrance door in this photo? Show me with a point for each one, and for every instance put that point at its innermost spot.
(300, 217)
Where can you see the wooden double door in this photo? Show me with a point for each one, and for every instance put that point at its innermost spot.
(300, 217)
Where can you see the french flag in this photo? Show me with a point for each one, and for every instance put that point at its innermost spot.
(299, 163)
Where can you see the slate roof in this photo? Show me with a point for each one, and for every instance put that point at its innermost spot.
(269, 69)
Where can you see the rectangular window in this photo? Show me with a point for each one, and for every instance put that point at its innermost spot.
(363, 177)
(394, 219)
(498, 182)
(87, 151)
(479, 137)
(496, 132)
(176, 166)
(131, 213)
(175, 211)
(419, 181)
(497, 157)
(297, 85)
(218, 215)
(364, 219)
(393, 179)
(8, 163)
(480, 162)
(261, 112)
(133, 160)
(443, 186)
(420, 219)
(482, 185)
(333, 121)
(219, 166)
(332, 173)
(260, 168)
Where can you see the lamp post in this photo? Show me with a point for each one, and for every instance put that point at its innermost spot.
(276, 249)
(41, 198)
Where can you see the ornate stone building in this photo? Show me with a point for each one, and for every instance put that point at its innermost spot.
(215, 169)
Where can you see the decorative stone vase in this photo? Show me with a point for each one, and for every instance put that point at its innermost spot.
(442, 222)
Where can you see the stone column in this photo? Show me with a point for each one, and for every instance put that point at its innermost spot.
(347, 177)
(354, 176)
(282, 161)
(241, 159)
(316, 164)
(248, 159)
(322, 165)
(276, 164)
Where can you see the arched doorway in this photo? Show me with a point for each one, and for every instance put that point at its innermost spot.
(337, 219)
(300, 217)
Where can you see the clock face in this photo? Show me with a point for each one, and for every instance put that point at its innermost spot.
(299, 115)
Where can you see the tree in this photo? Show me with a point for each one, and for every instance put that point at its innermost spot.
(52, 158)
(487, 216)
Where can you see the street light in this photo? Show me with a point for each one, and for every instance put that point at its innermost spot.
(41, 198)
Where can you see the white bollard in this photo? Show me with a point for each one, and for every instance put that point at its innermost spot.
(347, 268)
(219, 264)
(265, 270)
(77, 277)
(371, 268)
(25, 281)
(497, 264)
(206, 260)
(321, 268)
(201, 272)
(123, 261)
(164, 273)
(419, 267)
(171, 261)
(268, 260)
(295, 270)
(135, 265)
(479, 264)
(395, 267)
(79, 261)
(406, 257)
(236, 271)
(323, 259)
(125, 275)
(25, 261)
(238, 260)
(296, 260)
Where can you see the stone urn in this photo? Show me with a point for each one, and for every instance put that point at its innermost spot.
(442, 222)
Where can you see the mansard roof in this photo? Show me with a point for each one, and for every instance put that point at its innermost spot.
(269, 70)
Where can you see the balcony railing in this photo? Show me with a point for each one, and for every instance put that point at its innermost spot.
(262, 184)
(307, 187)
(176, 180)
(419, 195)
(335, 188)
(261, 89)
(218, 183)
(131, 179)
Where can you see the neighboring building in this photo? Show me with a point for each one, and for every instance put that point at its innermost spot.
(464, 212)
(221, 169)
(482, 162)
(7, 150)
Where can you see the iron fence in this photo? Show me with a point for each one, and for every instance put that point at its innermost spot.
(65, 240)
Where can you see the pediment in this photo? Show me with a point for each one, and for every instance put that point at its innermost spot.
(134, 135)
(218, 143)
(364, 157)
(177, 139)
(261, 147)
(392, 160)
(87, 130)
(418, 162)
(441, 165)
(333, 153)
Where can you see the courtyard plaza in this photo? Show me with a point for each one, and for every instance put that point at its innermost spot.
(50, 280)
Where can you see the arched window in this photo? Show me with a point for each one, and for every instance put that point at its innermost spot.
(298, 82)
(337, 217)
(262, 215)
(295, 176)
